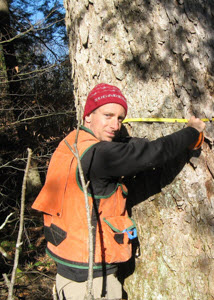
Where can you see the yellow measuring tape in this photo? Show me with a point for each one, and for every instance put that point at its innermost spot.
(161, 120)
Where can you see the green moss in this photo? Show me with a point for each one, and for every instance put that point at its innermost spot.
(8, 245)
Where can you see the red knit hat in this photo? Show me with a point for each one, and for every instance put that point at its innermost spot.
(103, 94)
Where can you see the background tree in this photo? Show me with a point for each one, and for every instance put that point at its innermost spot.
(161, 54)
(7, 48)
(36, 111)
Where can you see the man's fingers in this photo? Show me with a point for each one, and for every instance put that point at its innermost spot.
(196, 123)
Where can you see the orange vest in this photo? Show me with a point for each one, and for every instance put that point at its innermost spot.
(63, 204)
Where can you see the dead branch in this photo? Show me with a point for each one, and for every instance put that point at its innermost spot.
(21, 225)
(3, 252)
(34, 27)
(89, 291)
(35, 118)
(6, 221)
(54, 292)
(7, 282)
(36, 72)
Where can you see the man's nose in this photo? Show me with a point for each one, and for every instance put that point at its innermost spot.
(115, 125)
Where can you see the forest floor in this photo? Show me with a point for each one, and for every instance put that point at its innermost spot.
(35, 276)
(34, 284)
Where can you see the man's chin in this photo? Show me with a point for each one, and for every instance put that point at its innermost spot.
(108, 138)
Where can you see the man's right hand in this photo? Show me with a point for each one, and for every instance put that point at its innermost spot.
(196, 123)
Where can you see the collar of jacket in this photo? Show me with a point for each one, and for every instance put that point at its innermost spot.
(82, 127)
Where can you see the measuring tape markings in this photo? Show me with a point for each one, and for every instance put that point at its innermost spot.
(194, 146)
(162, 120)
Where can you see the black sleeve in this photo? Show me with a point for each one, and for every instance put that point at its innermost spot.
(112, 159)
(151, 182)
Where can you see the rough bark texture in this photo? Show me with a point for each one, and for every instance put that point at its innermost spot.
(161, 54)
(6, 32)
(7, 55)
(4, 17)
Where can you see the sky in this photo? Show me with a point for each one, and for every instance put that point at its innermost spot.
(39, 19)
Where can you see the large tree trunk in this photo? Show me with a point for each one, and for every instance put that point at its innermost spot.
(161, 54)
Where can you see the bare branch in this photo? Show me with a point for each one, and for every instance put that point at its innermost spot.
(3, 252)
(6, 221)
(54, 292)
(18, 35)
(89, 292)
(6, 280)
(40, 72)
(21, 225)
(11, 161)
(35, 117)
(32, 28)
(46, 46)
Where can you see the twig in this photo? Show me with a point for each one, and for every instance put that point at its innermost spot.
(3, 252)
(6, 280)
(21, 225)
(6, 220)
(36, 117)
(32, 28)
(54, 292)
(89, 291)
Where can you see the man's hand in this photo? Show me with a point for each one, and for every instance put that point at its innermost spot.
(196, 123)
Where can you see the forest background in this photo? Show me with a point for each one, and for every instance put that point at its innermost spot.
(36, 112)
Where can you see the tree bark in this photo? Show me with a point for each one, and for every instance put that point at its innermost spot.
(7, 69)
(6, 32)
(161, 55)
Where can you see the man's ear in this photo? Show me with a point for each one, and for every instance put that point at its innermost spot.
(88, 119)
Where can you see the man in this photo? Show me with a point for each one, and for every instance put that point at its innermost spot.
(104, 162)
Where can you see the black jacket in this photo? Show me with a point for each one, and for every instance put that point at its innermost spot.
(106, 162)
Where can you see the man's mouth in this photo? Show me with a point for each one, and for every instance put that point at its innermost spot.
(111, 134)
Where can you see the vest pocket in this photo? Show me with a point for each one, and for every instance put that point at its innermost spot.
(54, 234)
(120, 226)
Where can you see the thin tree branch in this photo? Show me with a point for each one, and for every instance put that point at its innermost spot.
(3, 252)
(21, 226)
(89, 291)
(11, 161)
(6, 221)
(6, 280)
(40, 72)
(54, 292)
(41, 41)
(34, 118)
(31, 28)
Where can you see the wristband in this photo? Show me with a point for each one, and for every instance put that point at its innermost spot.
(196, 145)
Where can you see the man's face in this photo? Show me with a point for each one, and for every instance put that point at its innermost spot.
(106, 121)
